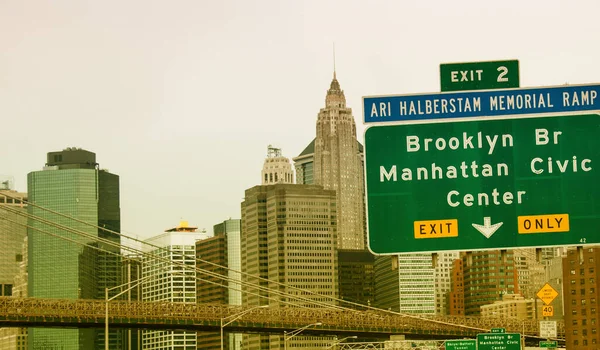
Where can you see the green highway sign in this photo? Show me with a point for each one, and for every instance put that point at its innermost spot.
(498, 330)
(462, 344)
(548, 344)
(479, 75)
(499, 341)
(483, 183)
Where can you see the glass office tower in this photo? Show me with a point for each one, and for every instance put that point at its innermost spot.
(62, 263)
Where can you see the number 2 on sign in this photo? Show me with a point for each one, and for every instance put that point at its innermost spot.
(582, 240)
(502, 76)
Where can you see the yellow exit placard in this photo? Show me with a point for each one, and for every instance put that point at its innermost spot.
(436, 228)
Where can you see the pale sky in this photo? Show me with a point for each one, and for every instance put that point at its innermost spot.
(181, 98)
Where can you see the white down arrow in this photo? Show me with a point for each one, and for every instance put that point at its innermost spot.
(487, 229)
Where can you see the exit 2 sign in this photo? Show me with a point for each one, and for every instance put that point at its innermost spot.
(479, 75)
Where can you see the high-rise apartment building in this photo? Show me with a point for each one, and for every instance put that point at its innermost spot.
(169, 274)
(288, 237)
(72, 184)
(580, 297)
(12, 235)
(338, 166)
(220, 254)
(443, 280)
(487, 276)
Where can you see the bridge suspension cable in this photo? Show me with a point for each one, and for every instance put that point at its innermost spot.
(301, 301)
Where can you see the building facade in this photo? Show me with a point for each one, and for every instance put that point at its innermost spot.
(514, 306)
(289, 238)
(356, 278)
(72, 184)
(417, 283)
(169, 274)
(405, 283)
(580, 297)
(13, 233)
(443, 280)
(531, 273)
(455, 300)
(487, 276)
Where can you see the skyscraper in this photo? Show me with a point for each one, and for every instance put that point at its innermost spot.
(72, 184)
(223, 249)
(293, 245)
(288, 237)
(164, 282)
(338, 166)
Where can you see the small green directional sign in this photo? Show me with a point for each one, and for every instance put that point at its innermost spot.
(479, 75)
(498, 330)
(548, 344)
(462, 344)
(499, 341)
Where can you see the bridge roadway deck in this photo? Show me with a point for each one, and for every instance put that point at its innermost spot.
(82, 313)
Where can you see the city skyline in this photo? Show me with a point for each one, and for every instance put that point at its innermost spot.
(187, 96)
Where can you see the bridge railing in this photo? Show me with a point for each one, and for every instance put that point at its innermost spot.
(93, 311)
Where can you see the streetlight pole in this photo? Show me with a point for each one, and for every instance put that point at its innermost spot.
(107, 299)
(336, 342)
(296, 332)
(235, 317)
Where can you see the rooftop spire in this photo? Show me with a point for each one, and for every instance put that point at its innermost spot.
(334, 60)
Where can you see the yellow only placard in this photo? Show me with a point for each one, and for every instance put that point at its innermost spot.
(543, 223)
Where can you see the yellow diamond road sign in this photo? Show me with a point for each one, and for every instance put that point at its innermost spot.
(547, 294)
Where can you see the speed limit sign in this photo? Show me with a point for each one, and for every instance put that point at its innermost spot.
(548, 310)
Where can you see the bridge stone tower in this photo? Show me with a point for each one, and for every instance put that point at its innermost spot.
(338, 166)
